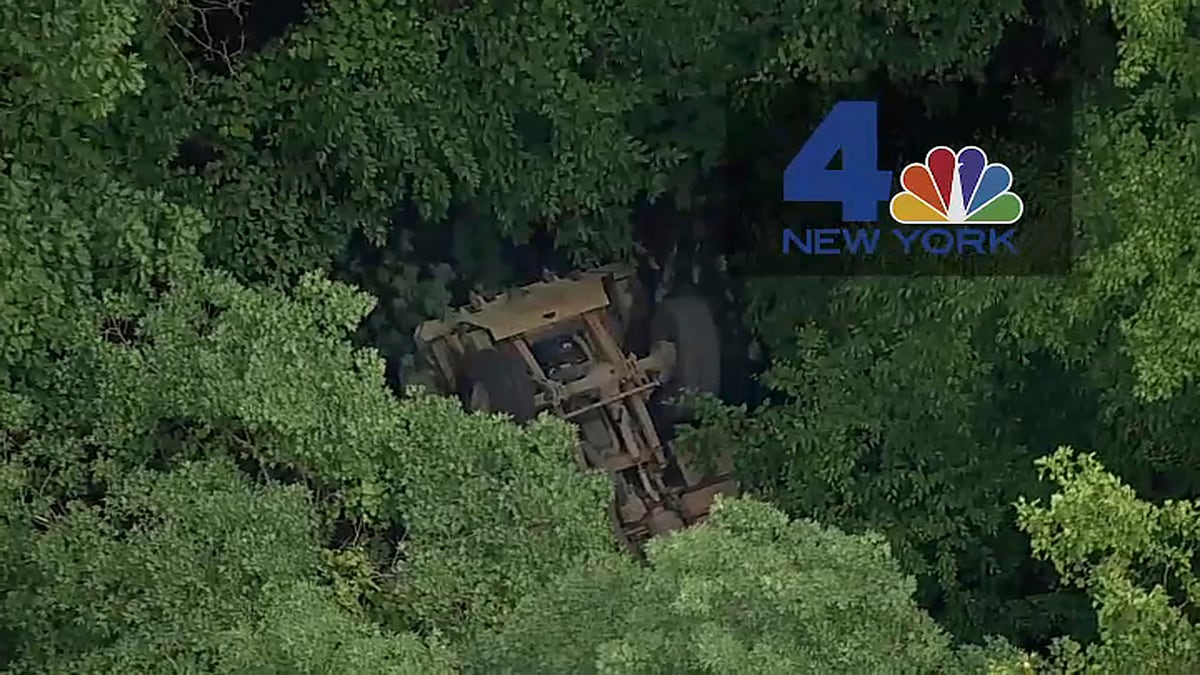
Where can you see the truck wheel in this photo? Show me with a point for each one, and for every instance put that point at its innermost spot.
(687, 322)
(620, 535)
(665, 521)
(496, 381)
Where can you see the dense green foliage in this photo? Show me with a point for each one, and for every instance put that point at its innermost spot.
(1135, 559)
(748, 592)
(202, 469)
(196, 569)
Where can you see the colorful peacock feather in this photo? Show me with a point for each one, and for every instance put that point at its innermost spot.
(956, 189)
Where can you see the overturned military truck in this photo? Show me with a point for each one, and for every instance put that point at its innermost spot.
(563, 345)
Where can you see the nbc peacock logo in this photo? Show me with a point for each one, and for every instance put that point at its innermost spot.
(956, 188)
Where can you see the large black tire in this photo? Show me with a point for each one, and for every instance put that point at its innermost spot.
(505, 381)
(620, 536)
(687, 322)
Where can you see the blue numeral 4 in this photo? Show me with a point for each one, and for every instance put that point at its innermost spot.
(852, 127)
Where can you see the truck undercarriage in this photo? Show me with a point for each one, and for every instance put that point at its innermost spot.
(561, 345)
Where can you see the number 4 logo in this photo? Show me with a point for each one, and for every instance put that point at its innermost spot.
(852, 128)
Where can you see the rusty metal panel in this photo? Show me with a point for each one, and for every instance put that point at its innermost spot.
(430, 331)
(697, 503)
(538, 305)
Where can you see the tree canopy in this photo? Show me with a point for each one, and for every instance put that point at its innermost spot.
(745, 592)
(220, 221)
